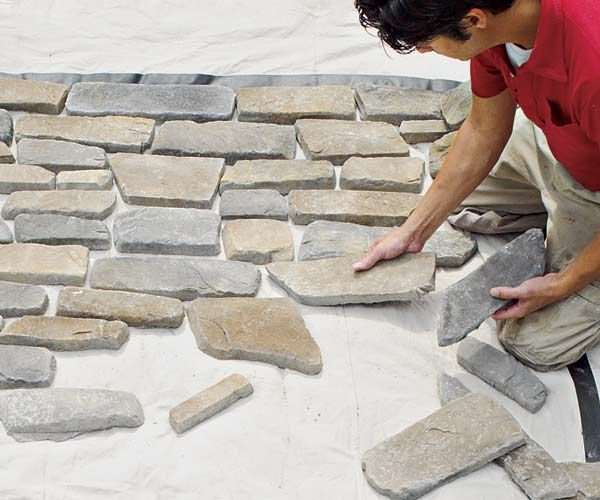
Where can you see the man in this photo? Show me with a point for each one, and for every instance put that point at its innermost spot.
(508, 170)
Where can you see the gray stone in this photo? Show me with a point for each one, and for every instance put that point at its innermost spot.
(169, 231)
(5, 233)
(232, 141)
(458, 439)
(468, 303)
(49, 229)
(383, 174)
(266, 330)
(587, 479)
(32, 95)
(65, 334)
(21, 300)
(415, 132)
(371, 208)
(22, 367)
(387, 103)
(166, 181)
(61, 414)
(6, 127)
(258, 241)
(25, 178)
(438, 152)
(160, 102)
(76, 203)
(281, 175)
(450, 388)
(452, 248)
(112, 133)
(5, 154)
(209, 402)
(59, 156)
(286, 105)
(503, 372)
(135, 309)
(184, 279)
(253, 204)
(85, 179)
(456, 105)
(339, 140)
(329, 282)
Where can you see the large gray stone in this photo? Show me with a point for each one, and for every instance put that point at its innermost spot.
(232, 141)
(456, 105)
(587, 478)
(452, 248)
(329, 282)
(450, 388)
(258, 241)
(458, 439)
(438, 152)
(267, 330)
(59, 156)
(22, 300)
(32, 95)
(25, 178)
(166, 181)
(26, 367)
(6, 127)
(184, 279)
(468, 303)
(253, 204)
(5, 154)
(383, 174)
(169, 231)
(92, 180)
(160, 102)
(419, 131)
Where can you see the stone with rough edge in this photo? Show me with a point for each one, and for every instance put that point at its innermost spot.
(415, 132)
(25, 178)
(135, 309)
(281, 175)
(209, 402)
(329, 282)
(468, 303)
(60, 156)
(383, 174)
(22, 367)
(184, 279)
(452, 248)
(438, 152)
(61, 414)
(5, 233)
(267, 330)
(85, 179)
(232, 141)
(166, 181)
(338, 140)
(114, 134)
(259, 241)
(458, 439)
(456, 105)
(253, 204)
(5, 154)
(32, 95)
(286, 105)
(160, 102)
(22, 300)
(168, 231)
(73, 202)
(586, 476)
(6, 127)
(49, 229)
(450, 388)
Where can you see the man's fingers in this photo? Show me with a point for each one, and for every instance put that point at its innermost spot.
(506, 292)
(368, 261)
(516, 310)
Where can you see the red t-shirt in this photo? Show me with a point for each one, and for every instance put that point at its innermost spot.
(559, 87)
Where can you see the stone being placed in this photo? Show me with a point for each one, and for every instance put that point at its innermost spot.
(25, 178)
(330, 282)
(92, 180)
(253, 204)
(232, 141)
(209, 402)
(61, 414)
(183, 279)
(286, 105)
(22, 367)
(5, 154)
(22, 300)
(468, 303)
(32, 95)
(338, 140)
(383, 174)
(160, 102)
(456, 105)
(267, 330)
(59, 156)
(438, 152)
(458, 439)
(6, 127)
(259, 241)
(166, 181)
(169, 231)
(450, 388)
(587, 479)
(135, 309)
(415, 132)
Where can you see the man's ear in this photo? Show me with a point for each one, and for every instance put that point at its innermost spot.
(477, 19)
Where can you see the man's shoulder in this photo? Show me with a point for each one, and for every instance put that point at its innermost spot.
(581, 28)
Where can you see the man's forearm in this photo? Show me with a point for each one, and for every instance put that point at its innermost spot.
(584, 269)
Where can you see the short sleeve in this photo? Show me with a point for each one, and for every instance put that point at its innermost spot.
(486, 77)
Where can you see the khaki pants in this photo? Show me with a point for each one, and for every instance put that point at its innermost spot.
(529, 188)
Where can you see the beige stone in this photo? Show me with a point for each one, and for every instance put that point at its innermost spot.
(438, 152)
(419, 131)
(32, 95)
(25, 178)
(5, 154)
(260, 241)
(85, 179)
(383, 174)
(587, 479)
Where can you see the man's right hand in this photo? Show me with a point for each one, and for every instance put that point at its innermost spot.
(388, 247)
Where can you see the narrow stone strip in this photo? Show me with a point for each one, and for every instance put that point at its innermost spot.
(85, 179)
(59, 156)
(25, 178)
(32, 95)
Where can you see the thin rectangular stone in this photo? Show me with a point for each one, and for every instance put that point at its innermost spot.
(22, 300)
(6, 127)
(92, 180)
(25, 178)
(420, 131)
(5, 154)
(59, 156)
(404, 175)
(32, 95)
(253, 204)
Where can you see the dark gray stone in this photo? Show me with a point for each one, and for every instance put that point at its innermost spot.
(25, 178)
(34, 96)
(5, 154)
(22, 367)
(6, 127)
(253, 204)
(456, 105)
(450, 388)
(438, 152)
(59, 156)
(22, 300)
(415, 132)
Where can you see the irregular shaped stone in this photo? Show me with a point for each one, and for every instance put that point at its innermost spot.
(21, 300)
(5, 154)
(32, 95)
(468, 303)
(59, 156)
(5, 233)
(169, 231)
(135, 309)
(6, 127)
(450, 388)
(587, 479)
(25, 178)
(73, 202)
(438, 152)
(387, 103)
(456, 105)
(258, 241)
(232, 141)
(372, 208)
(160, 102)
(452, 248)
(209, 402)
(112, 133)
(267, 330)
(458, 439)
(286, 105)
(329, 282)
(423, 130)
(85, 179)
(167, 182)
(184, 279)
(61, 414)
(383, 174)
(253, 204)
(26, 367)
(338, 140)
(49, 229)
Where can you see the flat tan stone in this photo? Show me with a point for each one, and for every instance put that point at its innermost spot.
(93, 180)
(5, 154)
(438, 152)
(32, 95)
(25, 178)
(587, 479)
(456, 105)
(403, 175)
(415, 132)
(260, 241)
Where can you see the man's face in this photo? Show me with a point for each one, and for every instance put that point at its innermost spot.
(454, 49)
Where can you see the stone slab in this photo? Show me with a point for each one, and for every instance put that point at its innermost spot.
(59, 156)
(383, 174)
(438, 152)
(258, 241)
(452, 248)
(329, 282)
(209, 402)
(450, 388)
(267, 330)
(22, 300)
(5, 154)
(456, 105)
(587, 478)
(92, 180)
(253, 204)
(415, 132)
(32, 95)
(6, 127)
(22, 367)
(25, 178)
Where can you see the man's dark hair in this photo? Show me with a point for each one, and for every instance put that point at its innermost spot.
(406, 24)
